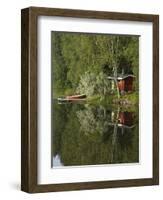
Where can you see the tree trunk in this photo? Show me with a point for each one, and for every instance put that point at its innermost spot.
(115, 45)
(118, 93)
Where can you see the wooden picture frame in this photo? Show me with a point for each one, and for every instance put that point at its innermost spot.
(29, 112)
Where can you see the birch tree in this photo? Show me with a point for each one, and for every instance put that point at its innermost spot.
(115, 60)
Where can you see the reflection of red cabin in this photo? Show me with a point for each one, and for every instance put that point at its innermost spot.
(125, 82)
(126, 118)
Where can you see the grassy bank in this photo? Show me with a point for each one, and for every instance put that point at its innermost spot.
(127, 100)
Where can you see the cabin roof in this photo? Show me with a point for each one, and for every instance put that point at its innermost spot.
(121, 76)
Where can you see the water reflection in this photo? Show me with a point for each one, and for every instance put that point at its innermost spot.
(57, 161)
(88, 135)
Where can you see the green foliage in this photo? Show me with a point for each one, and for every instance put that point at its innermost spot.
(77, 55)
(102, 84)
(85, 134)
(91, 84)
(87, 84)
(132, 97)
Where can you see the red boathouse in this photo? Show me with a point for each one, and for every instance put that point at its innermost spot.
(125, 82)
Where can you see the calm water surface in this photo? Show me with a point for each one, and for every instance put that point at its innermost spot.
(85, 134)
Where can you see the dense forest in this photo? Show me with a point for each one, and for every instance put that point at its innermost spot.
(81, 62)
(100, 129)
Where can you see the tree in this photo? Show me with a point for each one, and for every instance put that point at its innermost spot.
(115, 54)
(74, 54)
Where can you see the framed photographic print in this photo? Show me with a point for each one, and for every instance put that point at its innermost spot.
(90, 99)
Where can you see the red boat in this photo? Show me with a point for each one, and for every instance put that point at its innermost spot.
(72, 98)
(76, 97)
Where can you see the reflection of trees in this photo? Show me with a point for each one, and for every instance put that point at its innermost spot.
(59, 122)
(92, 135)
(92, 120)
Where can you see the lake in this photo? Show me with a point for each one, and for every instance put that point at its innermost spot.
(84, 134)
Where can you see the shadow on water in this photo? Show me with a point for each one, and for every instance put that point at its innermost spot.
(88, 135)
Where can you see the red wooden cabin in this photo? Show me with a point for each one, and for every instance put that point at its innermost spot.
(125, 83)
